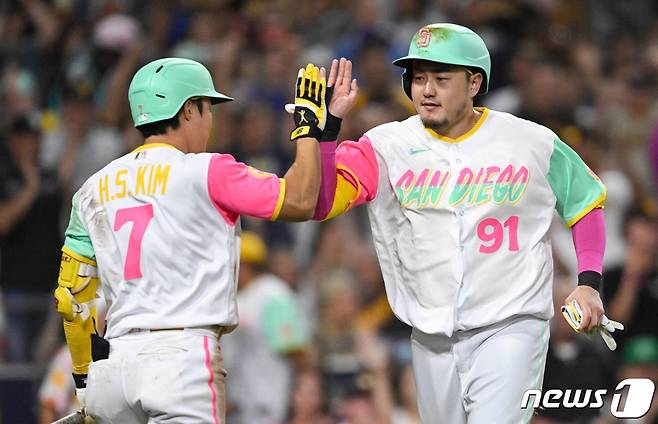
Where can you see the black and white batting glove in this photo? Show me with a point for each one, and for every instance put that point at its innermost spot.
(574, 315)
(310, 107)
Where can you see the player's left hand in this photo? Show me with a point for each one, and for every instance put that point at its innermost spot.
(343, 88)
(590, 305)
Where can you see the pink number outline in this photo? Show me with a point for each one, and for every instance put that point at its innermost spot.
(490, 229)
(140, 216)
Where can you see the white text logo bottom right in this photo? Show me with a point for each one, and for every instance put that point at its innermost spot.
(637, 399)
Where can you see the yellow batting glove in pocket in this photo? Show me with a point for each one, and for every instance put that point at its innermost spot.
(310, 107)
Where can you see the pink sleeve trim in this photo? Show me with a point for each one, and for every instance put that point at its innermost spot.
(589, 240)
(237, 189)
(214, 192)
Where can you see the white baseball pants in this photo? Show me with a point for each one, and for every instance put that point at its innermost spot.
(164, 376)
(479, 376)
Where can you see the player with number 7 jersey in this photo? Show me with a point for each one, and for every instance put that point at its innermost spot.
(157, 232)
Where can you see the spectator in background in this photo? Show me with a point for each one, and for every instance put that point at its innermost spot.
(356, 405)
(261, 353)
(628, 120)
(30, 201)
(405, 411)
(336, 340)
(112, 35)
(308, 404)
(367, 396)
(354, 360)
(257, 142)
(631, 290)
(380, 99)
(379, 86)
(550, 95)
(202, 35)
(18, 92)
(80, 145)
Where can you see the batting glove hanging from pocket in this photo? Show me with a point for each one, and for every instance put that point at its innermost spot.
(574, 315)
(310, 107)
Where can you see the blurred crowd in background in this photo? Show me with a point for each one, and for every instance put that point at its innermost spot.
(317, 341)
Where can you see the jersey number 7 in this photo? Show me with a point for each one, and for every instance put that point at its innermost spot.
(140, 216)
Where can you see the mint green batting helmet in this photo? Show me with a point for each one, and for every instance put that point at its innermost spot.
(160, 88)
(450, 44)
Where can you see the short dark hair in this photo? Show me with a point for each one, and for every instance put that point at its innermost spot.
(24, 124)
(161, 127)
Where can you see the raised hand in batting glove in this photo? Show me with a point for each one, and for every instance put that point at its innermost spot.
(310, 107)
(573, 314)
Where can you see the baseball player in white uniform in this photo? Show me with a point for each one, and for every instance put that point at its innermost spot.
(159, 228)
(460, 200)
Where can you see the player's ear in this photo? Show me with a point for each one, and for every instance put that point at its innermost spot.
(188, 109)
(474, 83)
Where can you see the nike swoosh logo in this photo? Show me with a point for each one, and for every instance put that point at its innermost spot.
(413, 150)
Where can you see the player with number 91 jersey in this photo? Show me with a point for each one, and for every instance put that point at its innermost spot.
(460, 226)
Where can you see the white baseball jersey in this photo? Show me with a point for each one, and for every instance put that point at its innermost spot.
(460, 225)
(163, 227)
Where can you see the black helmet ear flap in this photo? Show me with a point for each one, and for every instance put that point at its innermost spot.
(406, 81)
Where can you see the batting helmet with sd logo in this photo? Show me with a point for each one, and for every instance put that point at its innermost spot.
(159, 89)
(450, 44)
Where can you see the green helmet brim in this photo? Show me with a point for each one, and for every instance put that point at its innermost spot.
(217, 97)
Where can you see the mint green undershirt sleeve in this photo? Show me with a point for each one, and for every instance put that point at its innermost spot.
(577, 189)
(76, 236)
(282, 325)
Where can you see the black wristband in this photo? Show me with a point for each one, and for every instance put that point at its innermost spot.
(80, 381)
(591, 279)
(331, 129)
